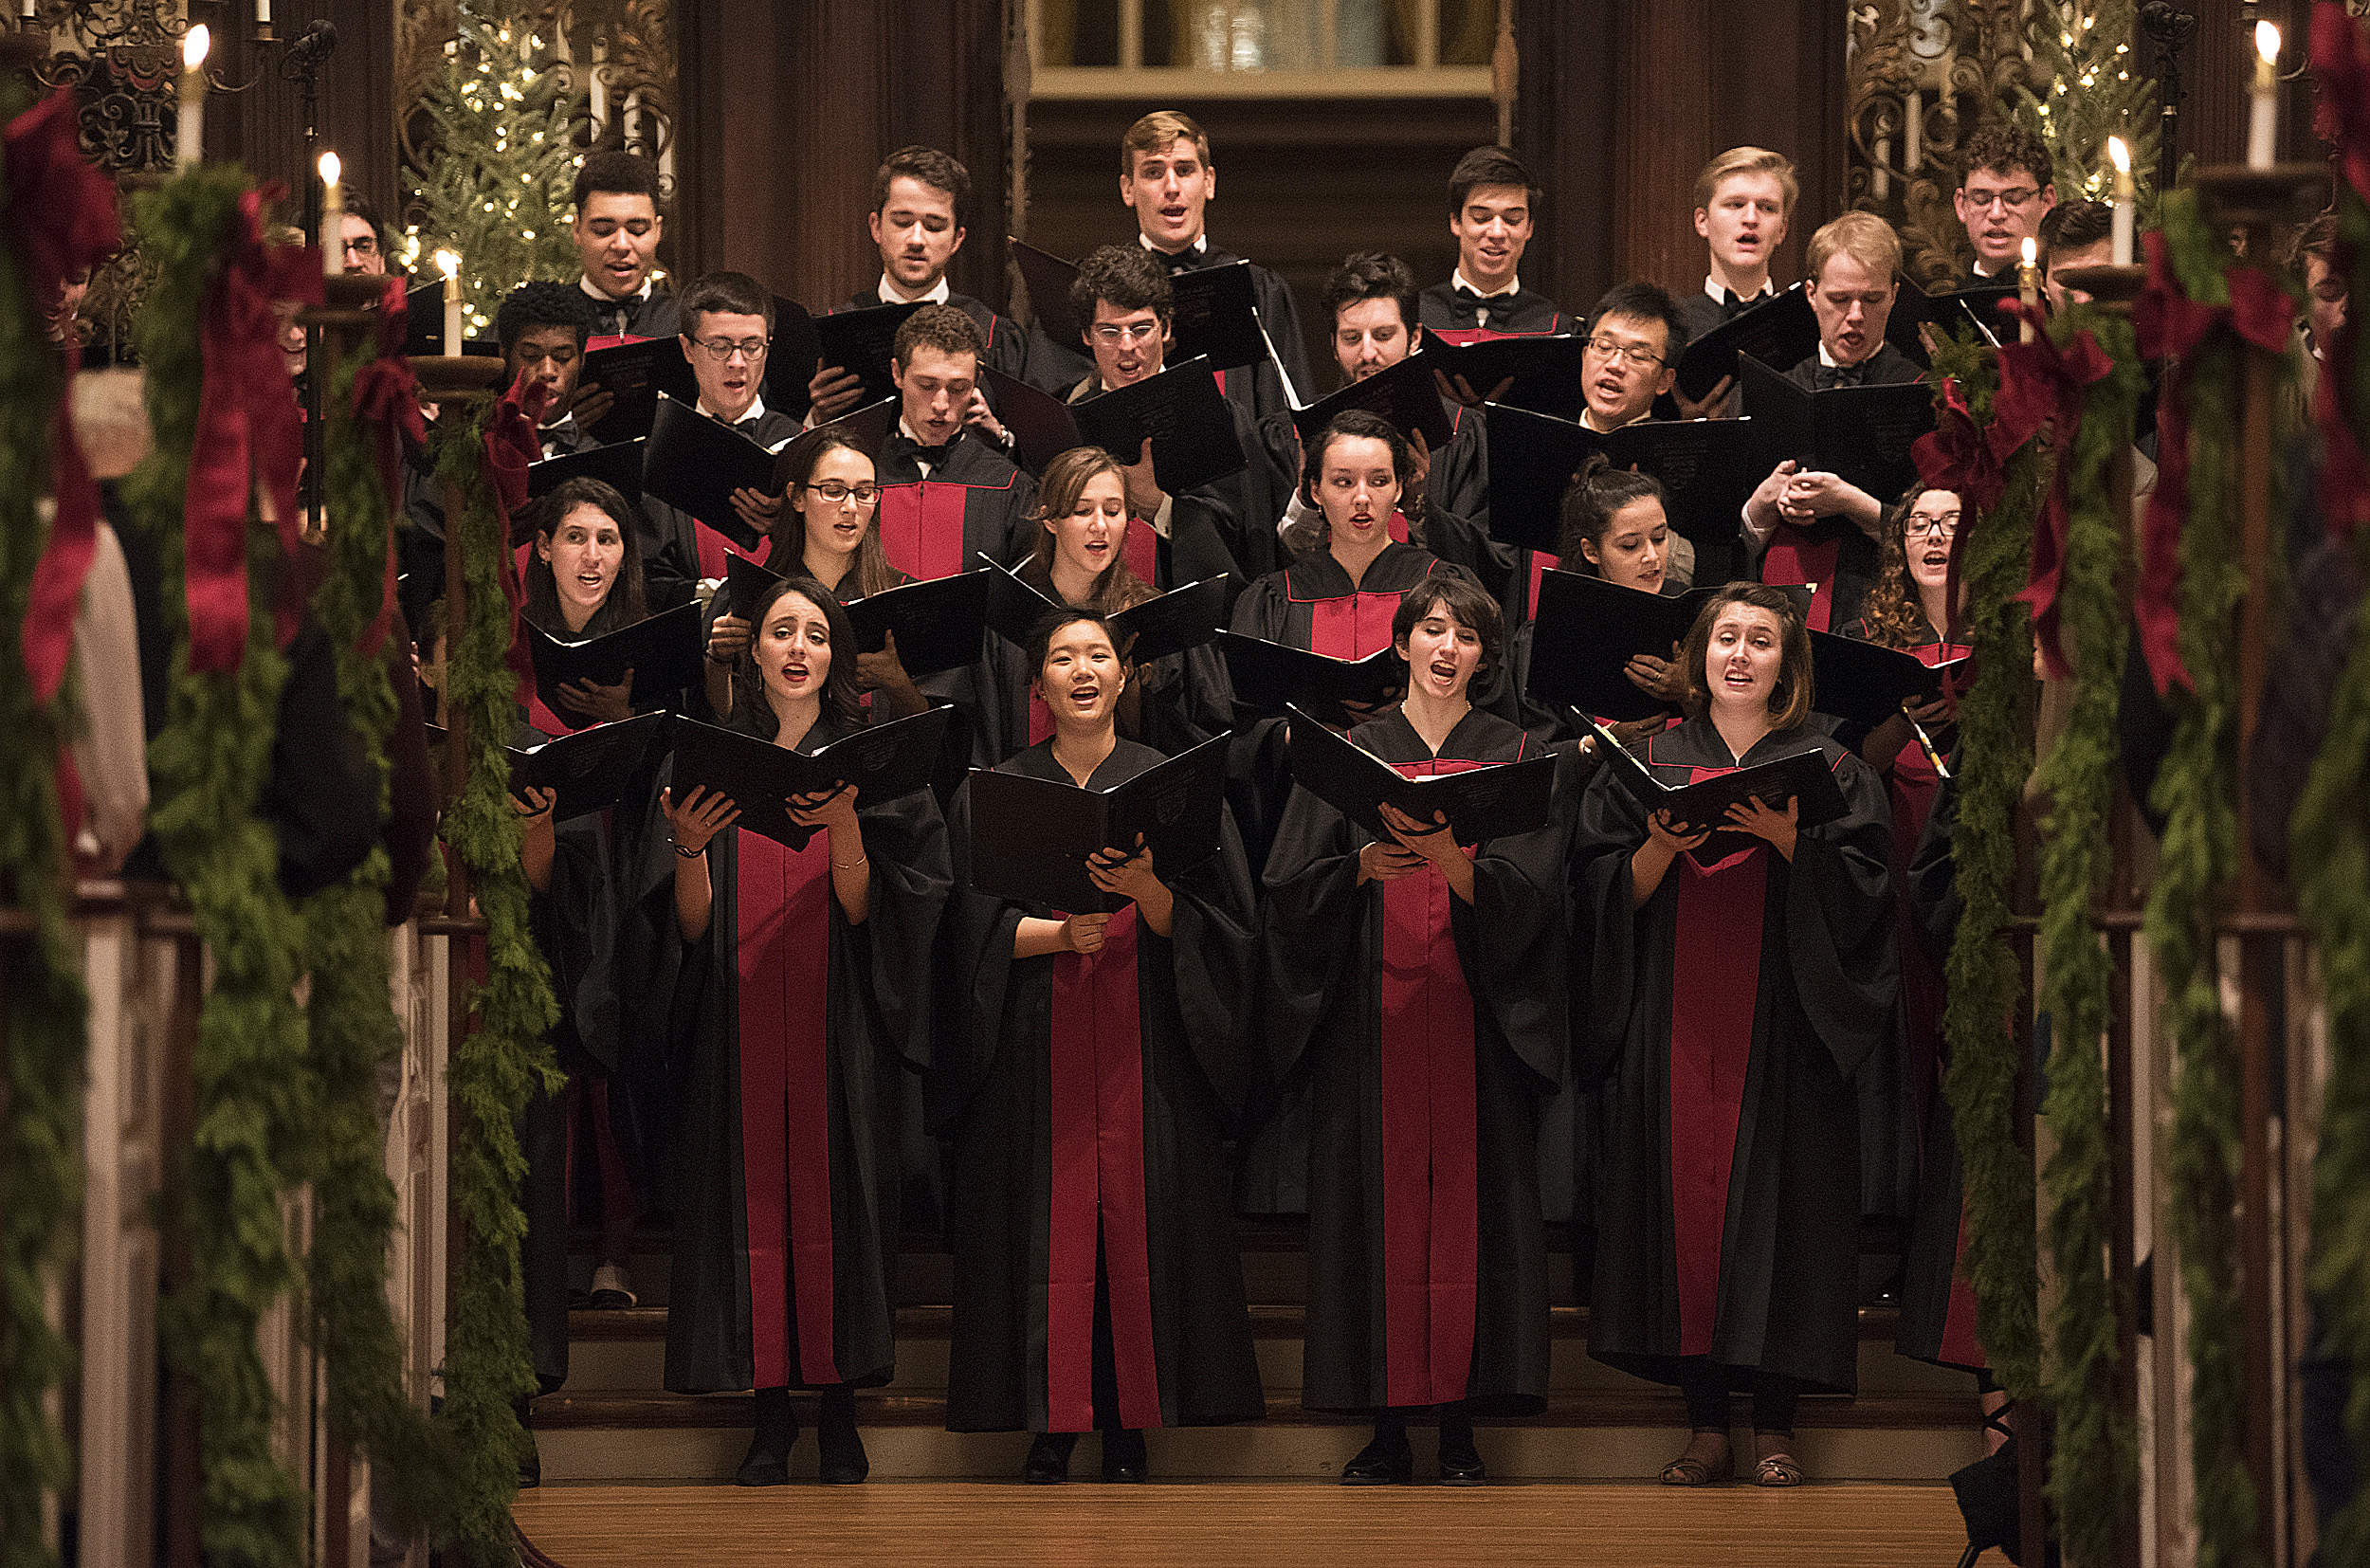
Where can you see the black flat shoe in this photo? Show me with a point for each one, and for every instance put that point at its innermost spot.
(768, 1462)
(1124, 1454)
(1381, 1463)
(1461, 1463)
(842, 1446)
(1048, 1457)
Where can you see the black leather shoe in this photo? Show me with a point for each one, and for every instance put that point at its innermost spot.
(1124, 1454)
(1460, 1460)
(530, 1461)
(768, 1463)
(1381, 1463)
(1048, 1457)
(844, 1460)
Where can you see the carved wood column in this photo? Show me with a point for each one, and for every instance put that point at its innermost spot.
(1662, 104)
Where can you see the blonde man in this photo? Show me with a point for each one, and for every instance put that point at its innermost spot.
(1743, 200)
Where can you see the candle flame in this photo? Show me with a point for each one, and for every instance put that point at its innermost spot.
(449, 264)
(194, 46)
(331, 168)
(2032, 250)
(2267, 42)
(2119, 154)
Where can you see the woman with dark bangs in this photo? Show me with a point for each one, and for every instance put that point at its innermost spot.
(1080, 559)
(1726, 1008)
(796, 1008)
(1418, 991)
(1091, 1068)
(583, 576)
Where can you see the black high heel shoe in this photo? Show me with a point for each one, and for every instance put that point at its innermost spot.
(1123, 1457)
(842, 1446)
(1388, 1461)
(768, 1464)
(1048, 1457)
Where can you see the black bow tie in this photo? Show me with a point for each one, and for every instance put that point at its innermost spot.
(1186, 260)
(1472, 298)
(904, 448)
(1734, 305)
(1831, 376)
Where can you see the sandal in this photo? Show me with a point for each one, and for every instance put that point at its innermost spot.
(1776, 1469)
(1688, 1470)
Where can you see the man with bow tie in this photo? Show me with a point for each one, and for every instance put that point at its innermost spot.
(1493, 203)
(1743, 200)
(1815, 528)
(617, 229)
(948, 493)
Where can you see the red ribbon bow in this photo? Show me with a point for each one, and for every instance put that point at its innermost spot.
(2341, 63)
(2040, 383)
(1962, 456)
(511, 444)
(2341, 59)
(387, 402)
(61, 217)
(2171, 327)
(248, 433)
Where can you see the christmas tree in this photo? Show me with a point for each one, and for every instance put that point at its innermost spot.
(498, 185)
(2090, 90)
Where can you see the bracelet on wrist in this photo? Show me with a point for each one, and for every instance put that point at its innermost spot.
(849, 864)
(691, 854)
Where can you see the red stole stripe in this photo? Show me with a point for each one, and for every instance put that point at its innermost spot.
(1959, 1346)
(783, 958)
(1542, 563)
(1098, 1182)
(922, 528)
(1040, 719)
(1715, 982)
(1397, 525)
(1793, 559)
(610, 340)
(1431, 1182)
(1354, 624)
(1142, 550)
(716, 549)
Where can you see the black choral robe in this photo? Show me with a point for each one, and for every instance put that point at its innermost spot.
(974, 502)
(1257, 391)
(678, 550)
(1131, 1253)
(650, 312)
(795, 1027)
(1427, 1030)
(1461, 315)
(1834, 553)
(1724, 1021)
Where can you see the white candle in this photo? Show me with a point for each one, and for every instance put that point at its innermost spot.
(449, 264)
(262, 12)
(2262, 118)
(332, 218)
(2029, 285)
(190, 146)
(600, 93)
(2126, 195)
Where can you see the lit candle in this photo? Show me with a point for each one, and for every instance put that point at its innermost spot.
(2029, 284)
(449, 264)
(2263, 118)
(332, 218)
(190, 146)
(2126, 194)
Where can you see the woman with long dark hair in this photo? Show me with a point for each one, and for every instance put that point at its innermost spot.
(583, 578)
(1417, 990)
(798, 1008)
(1091, 1069)
(1723, 1008)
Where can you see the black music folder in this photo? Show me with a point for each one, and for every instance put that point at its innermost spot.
(1048, 279)
(1707, 467)
(1804, 776)
(591, 769)
(1543, 367)
(1040, 425)
(868, 424)
(1167, 622)
(1403, 394)
(1588, 628)
(635, 374)
(665, 651)
(694, 464)
(862, 342)
(1030, 838)
(1976, 306)
(1480, 803)
(1862, 434)
(1181, 413)
(1271, 677)
(618, 463)
(938, 623)
(1215, 316)
(1866, 682)
(883, 761)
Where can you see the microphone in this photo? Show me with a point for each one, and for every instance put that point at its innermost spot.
(310, 48)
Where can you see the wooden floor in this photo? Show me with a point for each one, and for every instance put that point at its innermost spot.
(992, 1524)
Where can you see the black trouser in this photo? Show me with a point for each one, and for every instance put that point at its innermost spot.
(1706, 1383)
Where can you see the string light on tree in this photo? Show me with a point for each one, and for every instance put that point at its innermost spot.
(2082, 49)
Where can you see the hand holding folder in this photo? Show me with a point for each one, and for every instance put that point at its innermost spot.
(1037, 841)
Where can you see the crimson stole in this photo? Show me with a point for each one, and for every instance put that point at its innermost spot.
(1792, 557)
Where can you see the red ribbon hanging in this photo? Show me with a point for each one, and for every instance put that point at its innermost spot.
(2340, 62)
(61, 217)
(249, 431)
(1962, 457)
(2170, 326)
(2040, 383)
(511, 444)
(387, 402)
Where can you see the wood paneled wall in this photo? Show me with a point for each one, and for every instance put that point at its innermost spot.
(264, 126)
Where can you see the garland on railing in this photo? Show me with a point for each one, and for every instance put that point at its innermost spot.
(2329, 837)
(41, 999)
(506, 1058)
(2186, 317)
(207, 771)
(2091, 361)
(1997, 491)
(355, 1030)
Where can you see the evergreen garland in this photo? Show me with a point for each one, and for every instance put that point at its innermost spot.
(2094, 1465)
(207, 771)
(1983, 979)
(355, 1030)
(2197, 789)
(42, 1041)
(507, 1058)
(2329, 838)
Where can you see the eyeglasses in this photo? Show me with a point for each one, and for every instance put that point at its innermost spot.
(1942, 524)
(839, 493)
(1112, 334)
(722, 349)
(2010, 200)
(366, 246)
(1622, 353)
